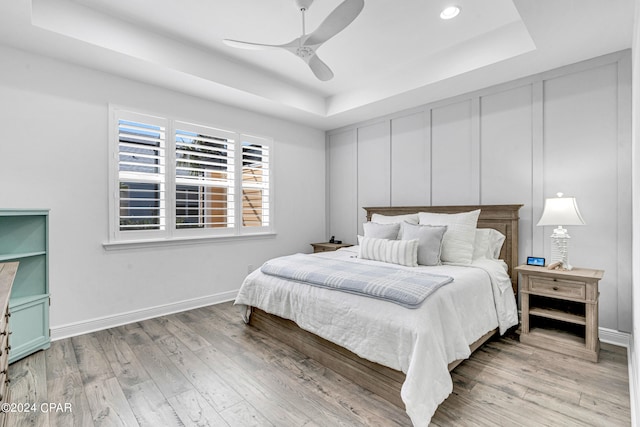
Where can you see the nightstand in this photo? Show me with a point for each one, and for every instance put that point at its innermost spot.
(328, 247)
(560, 310)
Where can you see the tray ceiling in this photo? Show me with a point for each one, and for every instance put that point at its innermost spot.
(395, 55)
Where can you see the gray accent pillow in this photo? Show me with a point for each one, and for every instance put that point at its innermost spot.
(395, 219)
(381, 231)
(429, 241)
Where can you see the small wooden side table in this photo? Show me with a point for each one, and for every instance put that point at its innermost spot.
(560, 310)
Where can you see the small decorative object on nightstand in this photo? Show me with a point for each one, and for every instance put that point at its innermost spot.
(328, 247)
(560, 310)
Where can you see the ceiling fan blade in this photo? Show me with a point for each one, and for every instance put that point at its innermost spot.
(320, 69)
(337, 21)
(251, 46)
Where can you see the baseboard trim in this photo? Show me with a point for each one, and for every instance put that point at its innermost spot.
(610, 336)
(624, 339)
(106, 322)
(634, 372)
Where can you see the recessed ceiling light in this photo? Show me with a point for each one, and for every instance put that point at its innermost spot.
(450, 12)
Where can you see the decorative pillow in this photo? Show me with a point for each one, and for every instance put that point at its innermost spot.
(488, 243)
(496, 240)
(457, 244)
(395, 219)
(403, 252)
(381, 231)
(429, 241)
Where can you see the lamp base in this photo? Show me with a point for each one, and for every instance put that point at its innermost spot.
(560, 247)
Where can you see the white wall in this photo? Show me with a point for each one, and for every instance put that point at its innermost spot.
(634, 363)
(566, 130)
(53, 154)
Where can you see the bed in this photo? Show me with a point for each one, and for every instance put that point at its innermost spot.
(403, 355)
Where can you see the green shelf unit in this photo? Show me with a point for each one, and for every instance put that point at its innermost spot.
(24, 237)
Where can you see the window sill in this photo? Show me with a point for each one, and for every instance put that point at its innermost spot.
(181, 241)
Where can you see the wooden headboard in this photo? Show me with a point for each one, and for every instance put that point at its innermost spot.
(503, 218)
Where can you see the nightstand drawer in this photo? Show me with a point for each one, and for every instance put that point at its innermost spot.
(558, 288)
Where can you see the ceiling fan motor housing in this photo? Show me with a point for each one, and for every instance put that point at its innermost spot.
(304, 52)
(303, 4)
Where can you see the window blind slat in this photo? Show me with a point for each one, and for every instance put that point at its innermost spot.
(222, 157)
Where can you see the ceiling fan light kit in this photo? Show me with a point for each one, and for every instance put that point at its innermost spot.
(305, 46)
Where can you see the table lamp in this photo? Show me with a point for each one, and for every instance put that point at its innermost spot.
(561, 211)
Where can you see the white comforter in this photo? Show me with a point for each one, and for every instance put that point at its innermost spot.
(419, 342)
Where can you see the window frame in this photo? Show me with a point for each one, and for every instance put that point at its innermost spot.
(171, 234)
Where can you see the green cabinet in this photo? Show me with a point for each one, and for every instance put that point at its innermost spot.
(24, 237)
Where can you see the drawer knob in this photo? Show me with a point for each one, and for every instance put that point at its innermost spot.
(555, 288)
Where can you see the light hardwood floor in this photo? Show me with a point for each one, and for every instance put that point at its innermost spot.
(206, 368)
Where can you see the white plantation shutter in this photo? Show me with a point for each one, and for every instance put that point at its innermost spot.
(176, 180)
(205, 174)
(255, 182)
(141, 173)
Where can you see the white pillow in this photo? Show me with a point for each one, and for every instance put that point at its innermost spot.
(429, 241)
(395, 219)
(403, 252)
(457, 244)
(381, 231)
(488, 243)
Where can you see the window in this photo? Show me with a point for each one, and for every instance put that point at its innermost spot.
(141, 181)
(174, 179)
(255, 183)
(205, 178)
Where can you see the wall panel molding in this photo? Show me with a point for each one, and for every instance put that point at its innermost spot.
(537, 167)
(566, 129)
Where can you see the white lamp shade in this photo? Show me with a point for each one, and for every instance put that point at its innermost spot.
(561, 211)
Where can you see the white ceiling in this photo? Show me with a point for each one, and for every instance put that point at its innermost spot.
(395, 55)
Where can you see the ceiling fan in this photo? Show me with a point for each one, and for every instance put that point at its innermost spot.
(306, 45)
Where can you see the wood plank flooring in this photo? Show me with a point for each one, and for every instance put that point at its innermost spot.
(206, 368)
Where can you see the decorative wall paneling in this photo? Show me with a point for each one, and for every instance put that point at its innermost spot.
(342, 185)
(374, 167)
(454, 153)
(410, 180)
(564, 130)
